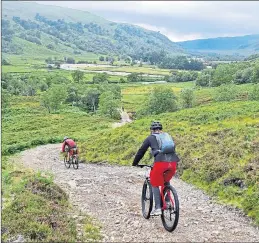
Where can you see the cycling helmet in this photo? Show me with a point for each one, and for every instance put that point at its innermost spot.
(156, 125)
(65, 138)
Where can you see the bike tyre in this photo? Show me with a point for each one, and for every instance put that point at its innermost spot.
(146, 211)
(176, 211)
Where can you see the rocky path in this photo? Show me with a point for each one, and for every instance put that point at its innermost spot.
(112, 195)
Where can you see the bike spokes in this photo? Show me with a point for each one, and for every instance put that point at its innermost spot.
(170, 213)
(75, 162)
(67, 162)
(147, 199)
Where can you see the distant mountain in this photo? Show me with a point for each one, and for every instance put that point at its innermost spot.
(238, 44)
(30, 26)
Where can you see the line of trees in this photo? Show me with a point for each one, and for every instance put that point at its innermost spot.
(237, 73)
(55, 90)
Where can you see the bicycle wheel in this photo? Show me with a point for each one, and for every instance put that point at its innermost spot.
(170, 215)
(75, 162)
(67, 162)
(147, 199)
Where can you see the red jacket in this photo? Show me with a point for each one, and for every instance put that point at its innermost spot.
(70, 143)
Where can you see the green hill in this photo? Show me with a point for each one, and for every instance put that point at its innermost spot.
(69, 31)
(217, 143)
(239, 44)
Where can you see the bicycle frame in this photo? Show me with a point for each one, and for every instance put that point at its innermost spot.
(164, 206)
(161, 188)
(168, 197)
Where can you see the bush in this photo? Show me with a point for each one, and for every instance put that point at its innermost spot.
(254, 93)
(187, 98)
(109, 105)
(226, 93)
(203, 80)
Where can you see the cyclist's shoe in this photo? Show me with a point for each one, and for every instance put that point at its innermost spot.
(156, 212)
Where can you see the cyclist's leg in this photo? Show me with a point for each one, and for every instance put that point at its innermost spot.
(70, 153)
(156, 193)
(156, 180)
(170, 173)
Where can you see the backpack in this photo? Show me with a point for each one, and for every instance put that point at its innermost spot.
(165, 143)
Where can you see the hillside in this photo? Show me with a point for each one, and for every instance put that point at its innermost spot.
(68, 31)
(217, 143)
(239, 44)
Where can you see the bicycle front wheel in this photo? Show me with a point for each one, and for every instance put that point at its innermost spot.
(147, 199)
(75, 162)
(67, 162)
(170, 215)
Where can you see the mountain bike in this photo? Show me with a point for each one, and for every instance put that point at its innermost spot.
(73, 159)
(170, 208)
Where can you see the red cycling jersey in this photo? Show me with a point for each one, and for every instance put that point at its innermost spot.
(70, 143)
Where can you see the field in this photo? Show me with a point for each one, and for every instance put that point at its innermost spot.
(28, 124)
(132, 69)
(134, 94)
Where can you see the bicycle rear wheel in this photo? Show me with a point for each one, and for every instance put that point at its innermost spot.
(170, 215)
(75, 162)
(147, 199)
(67, 162)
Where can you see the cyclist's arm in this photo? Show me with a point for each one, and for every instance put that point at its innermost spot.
(141, 152)
(63, 147)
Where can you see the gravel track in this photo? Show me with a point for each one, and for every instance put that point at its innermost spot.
(111, 194)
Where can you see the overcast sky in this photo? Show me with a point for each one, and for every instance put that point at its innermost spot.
(182, 20)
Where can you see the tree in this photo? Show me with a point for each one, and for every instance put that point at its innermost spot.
(244, 76)
(77, 76)
(187, 98)
(49, 60)
(160, 100)
(116, 90)
(73, 94)
(101, 58)
(53, 97)
(100, 78)
(90, 100)
(109, 106)
(223, 74)
(203, 80)
(122, 80)
(133, 77)
(255, 77)
(70, 60)
(5, 62)
(50, 46)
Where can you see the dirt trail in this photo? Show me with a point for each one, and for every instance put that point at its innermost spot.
(124, 119)
(112, 195)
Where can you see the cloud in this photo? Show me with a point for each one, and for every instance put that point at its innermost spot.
(179, 20)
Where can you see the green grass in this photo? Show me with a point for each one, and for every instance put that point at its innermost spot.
(37, 209)
(217, 141)
(27, 124)
(134, 94)
(33, 205)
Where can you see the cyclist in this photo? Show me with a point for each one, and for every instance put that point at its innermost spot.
(69, 146)
(163, 161)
